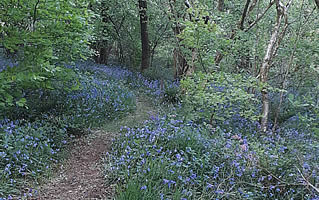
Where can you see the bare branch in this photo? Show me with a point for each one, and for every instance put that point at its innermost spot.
(252, 6)
(35, 15)
(260, 16)
(307, 182)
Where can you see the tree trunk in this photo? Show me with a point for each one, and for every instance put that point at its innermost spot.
(243, 16)
(221, 5)
(104, 54)
(271, 51)
(181, 66)
(144, 35)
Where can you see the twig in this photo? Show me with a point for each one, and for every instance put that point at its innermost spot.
(308, 183)
(261, 16)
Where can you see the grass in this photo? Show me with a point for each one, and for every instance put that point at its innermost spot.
(144, 109)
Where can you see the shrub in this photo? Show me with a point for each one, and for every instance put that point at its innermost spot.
(218, 96)
(172, 93)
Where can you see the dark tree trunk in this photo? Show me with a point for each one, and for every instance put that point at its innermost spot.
(104, 53)
(221, 5)
(102, 46)
(241, 24)
(144, 35)
(181, 66)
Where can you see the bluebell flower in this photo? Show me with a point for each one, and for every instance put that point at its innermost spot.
(144, 187)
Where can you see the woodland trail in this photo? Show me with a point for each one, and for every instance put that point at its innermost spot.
(81, 175)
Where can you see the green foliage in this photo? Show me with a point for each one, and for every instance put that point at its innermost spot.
(172, 94)
(307, 107)
(17, 83)
(111, 22)
(219, 96)
(204, 37)
(27, 151)
(32, 136)
(41, 35)
(115, 23)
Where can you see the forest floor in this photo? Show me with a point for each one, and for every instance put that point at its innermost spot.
(81, 176)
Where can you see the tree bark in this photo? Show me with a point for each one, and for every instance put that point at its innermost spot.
(241, 24)
(271, 51)
(221, 5)
(219, 56)
(144, 35)
(180, 63)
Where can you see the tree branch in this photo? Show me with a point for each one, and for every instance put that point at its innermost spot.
(307, 182)
(241, 25)
(260, 16)
(35, 15)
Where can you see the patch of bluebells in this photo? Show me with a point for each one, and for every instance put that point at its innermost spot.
(31, 140)
(97, 101)
(178, 159)
(27, 150)
(133, 79)
(4, 63)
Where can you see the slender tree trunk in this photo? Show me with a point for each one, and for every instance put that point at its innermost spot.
(144, 35)
(221, 5)
(243, 16)
(219, 56)
(272, 48)
(264, 73)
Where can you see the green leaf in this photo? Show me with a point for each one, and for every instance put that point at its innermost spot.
(22, 102)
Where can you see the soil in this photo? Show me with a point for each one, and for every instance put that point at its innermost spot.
(81, 175)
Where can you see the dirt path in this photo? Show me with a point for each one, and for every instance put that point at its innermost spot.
(81, 175)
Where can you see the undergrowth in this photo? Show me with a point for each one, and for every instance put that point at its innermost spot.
(32, 137)
(172, 158)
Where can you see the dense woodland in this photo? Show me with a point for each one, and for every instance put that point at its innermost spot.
(235, 86)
